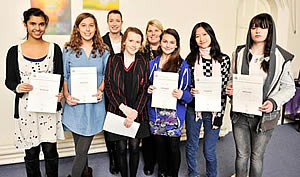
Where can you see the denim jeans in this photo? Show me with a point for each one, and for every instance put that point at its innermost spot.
(250, 144)
(209, 145)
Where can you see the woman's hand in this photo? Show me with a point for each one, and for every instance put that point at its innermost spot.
(128, 122)
(72, 101)
(267, 107)
(229, 90)
(99, 95)
(194, 91)
(24, 88)
(177, 93)
(150, 89)
(59, 97)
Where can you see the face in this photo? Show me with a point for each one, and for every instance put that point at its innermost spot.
(132, 43)
(114, 23)
(202, 38)
(259, 34)
(153, 34)
(36, 27)
(168, 44)
(87, 29)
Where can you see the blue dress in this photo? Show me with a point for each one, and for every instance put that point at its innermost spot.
(85, 119)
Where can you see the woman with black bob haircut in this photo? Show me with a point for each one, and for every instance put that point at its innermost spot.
(261, 56)
(205, 60)
(35, 130)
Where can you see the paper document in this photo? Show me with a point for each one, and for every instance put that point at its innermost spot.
(115, 124)
(165, 83)
(209, 97)
(43, 97)
(84, 84)
(247, 94)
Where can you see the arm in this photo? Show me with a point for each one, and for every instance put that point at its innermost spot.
(185, 83)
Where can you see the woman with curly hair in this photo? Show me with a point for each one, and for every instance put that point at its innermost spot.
(84, 120)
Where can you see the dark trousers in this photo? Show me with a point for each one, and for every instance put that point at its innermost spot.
(168, 154)
(32, 162)
(133, 144)
(148, 150)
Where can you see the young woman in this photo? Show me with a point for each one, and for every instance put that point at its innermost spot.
(35, 130)
(205, 60)
(126, 83)
(166, 124)
(153, 31)
(84, 120)
(260, 57)
(113, 40)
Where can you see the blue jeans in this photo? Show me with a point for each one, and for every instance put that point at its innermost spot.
(250, 145)
(209, 145)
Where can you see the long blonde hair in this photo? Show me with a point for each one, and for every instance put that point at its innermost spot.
(76, 41)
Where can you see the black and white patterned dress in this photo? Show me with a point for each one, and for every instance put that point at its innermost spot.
(33, 128)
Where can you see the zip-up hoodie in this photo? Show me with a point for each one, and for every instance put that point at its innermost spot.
(279, 86)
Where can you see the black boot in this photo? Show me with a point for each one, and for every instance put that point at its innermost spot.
(51, 166)
(113, 167)
(32, 167)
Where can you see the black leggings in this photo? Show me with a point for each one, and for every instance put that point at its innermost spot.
(133, 156)
(168, 154)
(32, 162)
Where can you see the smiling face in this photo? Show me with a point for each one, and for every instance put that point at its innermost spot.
(202, 38)
(132, 43)
(87, 29)
(259, 34)
(153, 34)
(114, 22)
(36, 27)
(168, 44)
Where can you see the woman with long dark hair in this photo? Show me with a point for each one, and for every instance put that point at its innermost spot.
(261, 56)
(205, 60)
(166, 124)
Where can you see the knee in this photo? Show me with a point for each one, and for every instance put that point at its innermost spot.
(50, 151)
(32, 153)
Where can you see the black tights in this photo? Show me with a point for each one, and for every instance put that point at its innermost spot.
(168, 154)
(133, 156)
(32, 162)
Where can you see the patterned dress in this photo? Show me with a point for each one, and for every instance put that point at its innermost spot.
(33, 128)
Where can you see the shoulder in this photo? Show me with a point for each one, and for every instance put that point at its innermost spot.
(106, 38)
(286, 55)
(56, 48)
(13, 49)
(184, 64)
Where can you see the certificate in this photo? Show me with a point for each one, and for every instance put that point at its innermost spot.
(43, 97)
(247, 94)
(165, 83)
(115, 124)
(209, 97)
(84, 84)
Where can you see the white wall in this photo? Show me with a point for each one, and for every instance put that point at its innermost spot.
(175, 14)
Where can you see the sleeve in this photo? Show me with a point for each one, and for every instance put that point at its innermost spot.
(105, 59)
(12, 79)
(225, 78)
(286, 88)
(185, 83)
(112, 90)
(66, 64)
(58, 64)
(142, 94)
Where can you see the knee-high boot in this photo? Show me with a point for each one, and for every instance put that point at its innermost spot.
(51, 166)
(32, 167)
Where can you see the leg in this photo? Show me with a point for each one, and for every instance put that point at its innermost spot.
(122, 157)
(80, 162)
(32, 161)
(174, 156)
(51, 159)
(134, 155)
(210, 145)
(148, 154)
(192, 142)
(161, 153)
(259, 144)
(111, 149)
(241, 134)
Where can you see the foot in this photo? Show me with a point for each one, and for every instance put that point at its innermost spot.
(148, 171)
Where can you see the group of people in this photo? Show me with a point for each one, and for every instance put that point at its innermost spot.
(125, 74)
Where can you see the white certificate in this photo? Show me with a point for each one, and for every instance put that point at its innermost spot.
(165, 83)
(247, 94)
(43, 97)
(115, 124)
(84, 84)
(209, 97)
